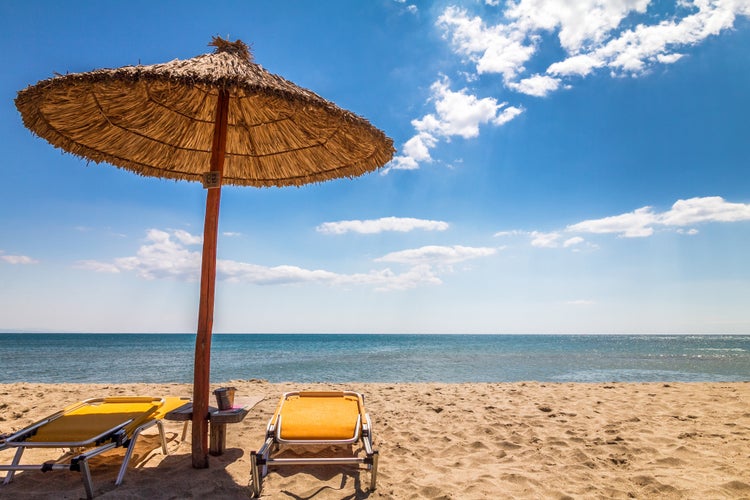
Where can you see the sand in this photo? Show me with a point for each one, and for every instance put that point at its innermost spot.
(443, 441)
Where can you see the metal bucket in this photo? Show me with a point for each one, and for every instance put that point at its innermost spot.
(225, 397)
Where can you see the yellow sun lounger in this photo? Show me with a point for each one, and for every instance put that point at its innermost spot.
(90, 428)
(316, 418)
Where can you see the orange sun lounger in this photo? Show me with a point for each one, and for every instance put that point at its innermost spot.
(89, 428)
(314, 419)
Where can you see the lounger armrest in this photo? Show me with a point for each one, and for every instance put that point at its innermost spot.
(24, 433)
(367, 426)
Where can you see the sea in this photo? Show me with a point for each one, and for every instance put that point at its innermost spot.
(389, 358)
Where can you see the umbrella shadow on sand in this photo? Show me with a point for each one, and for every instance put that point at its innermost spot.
(304, 482)
(145, 470)
(346, 483)
(174, 478)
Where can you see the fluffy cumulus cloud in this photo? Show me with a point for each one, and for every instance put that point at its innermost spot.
(624, 36)
(537, 85)
(460, 113)
(399, 224)
(457, 114)
(708, 209)
(165, 255)
(615, 37)
(578, 24)
(500, 48)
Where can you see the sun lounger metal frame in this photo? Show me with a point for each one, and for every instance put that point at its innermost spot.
(121, 435)
(261, 460)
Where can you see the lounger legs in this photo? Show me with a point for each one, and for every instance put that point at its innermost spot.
(131, 446)
(372, 455)
(16, 461)
(163, 438)
(81, 464)
(374, 471)
(255, 474)
(88, 483)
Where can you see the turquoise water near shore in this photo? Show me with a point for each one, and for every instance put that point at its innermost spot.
(126, 358)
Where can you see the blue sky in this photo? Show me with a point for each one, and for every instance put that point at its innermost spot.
(561, 167)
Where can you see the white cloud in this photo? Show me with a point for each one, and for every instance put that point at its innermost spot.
(164, 256)
(411, 8)
(635, 50)
(580, 23)
(262, 275)
(399, 224)
(400, 162)
(381, 280)
(418, 147)
(537, 85)
(187, 238)
(416, 276)
(514, 232)
(641, 222)
(507, 115)
(18, 259)
(669, 58)
(593, 34)
(493, 49)
(570, 242)
(548, 240)
(544, 240)
(707, 209)
(437, 255)
(581, 65)
(456, 114)
(630, 225)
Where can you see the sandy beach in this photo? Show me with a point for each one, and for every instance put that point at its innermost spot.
(442, 441)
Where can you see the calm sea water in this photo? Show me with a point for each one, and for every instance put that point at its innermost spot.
(121, 358)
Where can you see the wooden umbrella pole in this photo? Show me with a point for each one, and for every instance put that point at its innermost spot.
(202, 365)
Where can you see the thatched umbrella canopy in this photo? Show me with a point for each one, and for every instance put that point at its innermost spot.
(158, 120)
(218, 118)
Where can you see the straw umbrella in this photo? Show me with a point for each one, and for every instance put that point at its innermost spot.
(217, 118)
